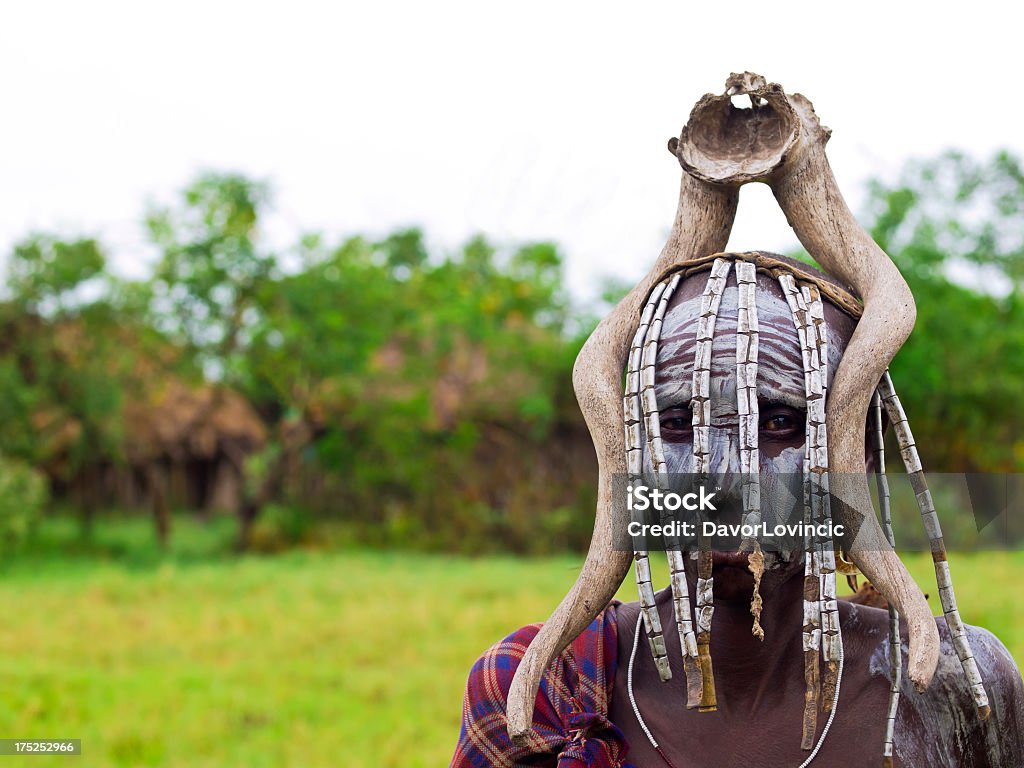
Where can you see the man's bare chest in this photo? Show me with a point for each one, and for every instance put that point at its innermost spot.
(768, 736)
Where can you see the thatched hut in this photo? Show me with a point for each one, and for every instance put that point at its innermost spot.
(197, 439)
(182, 446)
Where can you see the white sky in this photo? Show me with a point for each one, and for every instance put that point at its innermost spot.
(523, 121)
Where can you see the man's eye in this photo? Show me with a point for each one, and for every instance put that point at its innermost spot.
(777, 424)
(676, 424)
(782, 423)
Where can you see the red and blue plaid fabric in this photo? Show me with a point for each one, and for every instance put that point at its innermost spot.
(570, 723)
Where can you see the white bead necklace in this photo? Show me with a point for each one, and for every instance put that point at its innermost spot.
(654, 743)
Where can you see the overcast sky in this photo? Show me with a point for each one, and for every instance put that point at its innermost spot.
(523, 121)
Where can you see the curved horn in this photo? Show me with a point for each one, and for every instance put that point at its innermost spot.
(778, 141)
(702, 225)
(781, 142)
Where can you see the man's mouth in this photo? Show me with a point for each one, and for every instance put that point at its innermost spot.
(721, 560)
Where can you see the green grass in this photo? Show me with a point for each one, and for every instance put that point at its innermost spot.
(200, 658)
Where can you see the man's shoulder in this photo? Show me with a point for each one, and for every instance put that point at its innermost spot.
(588, 664)
(943, 721)
(571, 705)
(596, 640)
(949, 708)
(989, 651)
(996, 664)
(490, 676)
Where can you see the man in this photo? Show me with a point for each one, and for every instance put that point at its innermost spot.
(728, 697)
(585, 715)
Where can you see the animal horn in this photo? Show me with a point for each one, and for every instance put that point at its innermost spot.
(703, 221)
(780, 141)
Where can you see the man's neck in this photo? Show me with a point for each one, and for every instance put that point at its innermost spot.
(757, 665)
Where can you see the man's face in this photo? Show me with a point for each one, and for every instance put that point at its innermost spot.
(780, 387)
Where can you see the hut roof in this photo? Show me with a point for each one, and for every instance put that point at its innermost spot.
(180, 421)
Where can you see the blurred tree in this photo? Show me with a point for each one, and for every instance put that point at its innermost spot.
(62, 364)
(23, 494)
(46, 275)
(399, 360)
(315, 334)
(955, 211)
(955, 227)
(211, 270)
(208, 290)
(396, 358)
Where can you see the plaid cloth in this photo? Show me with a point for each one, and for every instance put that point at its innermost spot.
(571, 728)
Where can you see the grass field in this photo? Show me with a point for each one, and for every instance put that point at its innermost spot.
(199, 658)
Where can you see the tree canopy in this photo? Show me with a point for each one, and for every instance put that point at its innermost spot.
(955, 227)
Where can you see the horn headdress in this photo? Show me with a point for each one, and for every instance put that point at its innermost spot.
(778, 141)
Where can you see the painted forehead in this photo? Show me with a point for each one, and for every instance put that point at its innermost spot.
(781, 370)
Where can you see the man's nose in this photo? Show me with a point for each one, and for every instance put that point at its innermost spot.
(723, 442)
(725, 471)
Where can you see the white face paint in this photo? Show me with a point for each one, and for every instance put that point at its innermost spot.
(780, 381)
